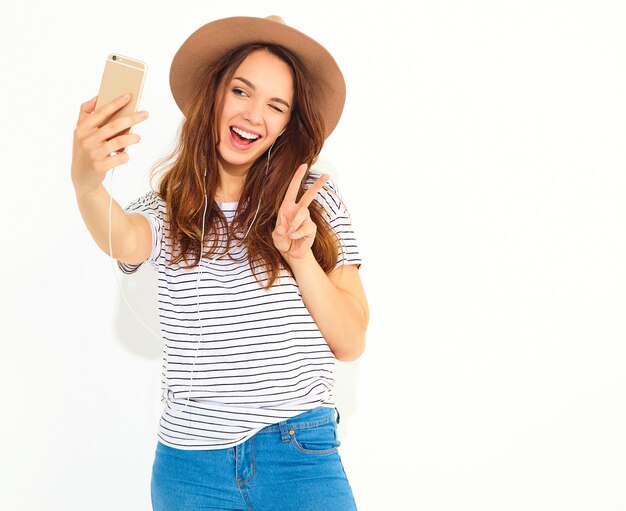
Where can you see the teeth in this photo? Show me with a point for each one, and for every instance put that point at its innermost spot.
(245, 134)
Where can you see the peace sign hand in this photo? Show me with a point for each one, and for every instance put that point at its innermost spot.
(295, 232)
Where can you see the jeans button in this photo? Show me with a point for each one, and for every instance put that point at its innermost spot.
(292, 432)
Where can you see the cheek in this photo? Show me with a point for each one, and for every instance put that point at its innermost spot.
(277, 125)
(228, 112)
(224, 118)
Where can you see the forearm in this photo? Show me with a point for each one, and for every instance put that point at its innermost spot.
(94, 208)
(338, 314)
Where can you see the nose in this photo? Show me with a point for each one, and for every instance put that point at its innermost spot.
(254, 112)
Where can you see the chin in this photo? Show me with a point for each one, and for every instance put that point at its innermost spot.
(234, 158)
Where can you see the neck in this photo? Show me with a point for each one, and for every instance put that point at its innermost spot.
(232, 179)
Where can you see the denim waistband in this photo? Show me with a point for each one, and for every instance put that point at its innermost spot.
(309, 419)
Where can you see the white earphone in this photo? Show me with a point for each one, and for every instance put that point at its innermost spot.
(267, 167)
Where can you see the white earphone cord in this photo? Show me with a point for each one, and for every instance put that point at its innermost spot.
(193, 367)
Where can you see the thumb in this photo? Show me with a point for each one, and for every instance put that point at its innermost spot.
(281, 230)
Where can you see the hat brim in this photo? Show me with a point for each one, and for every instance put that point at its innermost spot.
(212, 41)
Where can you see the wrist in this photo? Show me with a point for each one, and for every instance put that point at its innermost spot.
(82, 192)
(297, 262)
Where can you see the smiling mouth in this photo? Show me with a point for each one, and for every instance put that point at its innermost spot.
(244, 137)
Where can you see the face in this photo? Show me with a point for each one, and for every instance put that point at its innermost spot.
(257, 106)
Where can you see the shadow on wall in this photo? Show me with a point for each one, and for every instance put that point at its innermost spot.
(140, 289)
(346, 384)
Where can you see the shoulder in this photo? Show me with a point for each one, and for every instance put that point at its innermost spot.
(149, 202)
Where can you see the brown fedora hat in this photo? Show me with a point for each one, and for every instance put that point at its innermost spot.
(210, 42)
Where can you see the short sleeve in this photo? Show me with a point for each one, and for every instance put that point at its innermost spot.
(152, 207)
(339, 219)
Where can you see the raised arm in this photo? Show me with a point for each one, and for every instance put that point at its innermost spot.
(335, 301)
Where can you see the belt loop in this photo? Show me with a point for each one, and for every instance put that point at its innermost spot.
(284, 431)
(338, 416)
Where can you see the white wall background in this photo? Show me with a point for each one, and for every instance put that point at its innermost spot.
(482, 157)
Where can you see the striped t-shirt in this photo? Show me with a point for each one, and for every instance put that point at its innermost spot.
(251, 357)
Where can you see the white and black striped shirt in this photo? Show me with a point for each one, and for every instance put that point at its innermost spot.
(252, 357)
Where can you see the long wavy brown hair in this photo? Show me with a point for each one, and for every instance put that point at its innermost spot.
(181, 174)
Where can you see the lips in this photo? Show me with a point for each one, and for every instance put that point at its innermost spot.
(245, 134)
(242, 139)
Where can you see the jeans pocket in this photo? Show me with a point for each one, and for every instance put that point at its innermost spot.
(316, 440)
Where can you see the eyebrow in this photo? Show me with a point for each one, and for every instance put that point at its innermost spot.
(251, 85)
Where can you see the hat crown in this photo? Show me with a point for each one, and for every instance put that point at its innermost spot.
(274, 17)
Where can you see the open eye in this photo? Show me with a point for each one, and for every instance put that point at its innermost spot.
(239, 92)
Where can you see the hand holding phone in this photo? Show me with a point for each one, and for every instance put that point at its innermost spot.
(104, 124)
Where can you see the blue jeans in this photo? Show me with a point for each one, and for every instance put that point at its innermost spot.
(290, 466)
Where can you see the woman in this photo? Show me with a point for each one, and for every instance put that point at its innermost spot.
(259, 292)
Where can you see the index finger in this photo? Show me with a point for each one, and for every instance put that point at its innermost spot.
(310, 194)
(294, 186)
(95, 118)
